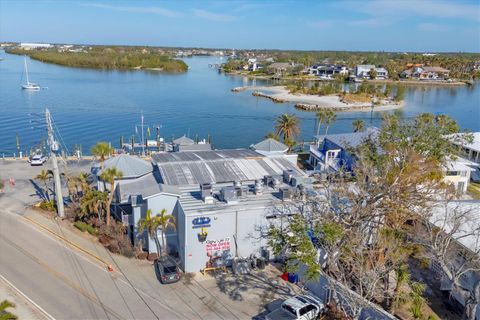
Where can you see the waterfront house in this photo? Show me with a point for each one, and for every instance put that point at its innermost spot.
(458, 173)
(335, 151)
(471, 152)
(327, 71)
(362, 71)
(426, 73)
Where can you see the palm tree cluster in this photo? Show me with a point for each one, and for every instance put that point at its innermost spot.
(152, 224)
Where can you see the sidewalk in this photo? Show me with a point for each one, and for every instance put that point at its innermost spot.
(24, 308)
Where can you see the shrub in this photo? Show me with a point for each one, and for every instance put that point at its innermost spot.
(48, 205)
(92, 230)
(80, 225)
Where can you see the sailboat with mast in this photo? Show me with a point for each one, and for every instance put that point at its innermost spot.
(29, 85)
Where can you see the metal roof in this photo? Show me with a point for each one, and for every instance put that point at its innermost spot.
(184, 141)
(217, 166)
(475, 145)
(146, 186)
(192, 203)
(130, 166)
(270, 145)
(353, 139)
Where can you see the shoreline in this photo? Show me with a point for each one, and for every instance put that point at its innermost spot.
(313, 103)
(440, 83)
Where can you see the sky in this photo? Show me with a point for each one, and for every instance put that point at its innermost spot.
(364, 25)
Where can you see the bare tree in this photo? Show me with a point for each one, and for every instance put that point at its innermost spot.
(451, 236)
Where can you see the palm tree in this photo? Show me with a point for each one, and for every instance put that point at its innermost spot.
(83, 180)
(358, 125)
(109, 175)
(152, 224)
(102, 150)
(93, 201)
(330, 117)
(45, 176)
(271, 135)
(4, 314)
(287, 125)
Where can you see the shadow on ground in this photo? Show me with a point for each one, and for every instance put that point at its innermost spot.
(262, 286)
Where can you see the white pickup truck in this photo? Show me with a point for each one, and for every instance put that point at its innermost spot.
(298, 308)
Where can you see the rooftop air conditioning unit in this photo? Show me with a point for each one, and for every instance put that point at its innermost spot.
(228, 194)
(268, 181)
(286, 193)
(206, 190)
(287, 175)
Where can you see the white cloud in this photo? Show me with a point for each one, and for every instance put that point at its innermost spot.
(374, 22)
(152, 10)
(425, 8)
(204, 14)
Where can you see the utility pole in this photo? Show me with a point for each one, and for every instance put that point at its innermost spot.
(158, 137)
(53, 147)
(143, 140)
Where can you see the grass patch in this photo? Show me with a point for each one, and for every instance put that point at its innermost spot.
(357, 97)
(474, 190)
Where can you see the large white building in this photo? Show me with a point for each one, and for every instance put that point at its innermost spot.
(29, 46)
(221, 200)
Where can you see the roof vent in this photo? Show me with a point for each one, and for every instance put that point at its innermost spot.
(206, 190)
(258, 189)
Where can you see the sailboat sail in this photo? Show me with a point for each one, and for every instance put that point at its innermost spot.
(29, 85)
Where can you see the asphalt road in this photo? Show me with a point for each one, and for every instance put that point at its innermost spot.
(66, 284)
(69, 284)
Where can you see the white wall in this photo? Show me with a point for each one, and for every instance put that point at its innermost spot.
(222, 226)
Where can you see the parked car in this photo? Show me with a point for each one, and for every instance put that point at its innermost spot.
(37, 160)
(303, 307)
(168, 270)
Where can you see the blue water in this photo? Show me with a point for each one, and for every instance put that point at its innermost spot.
(94, 105)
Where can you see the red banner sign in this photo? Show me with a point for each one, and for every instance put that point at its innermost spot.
(218, 245)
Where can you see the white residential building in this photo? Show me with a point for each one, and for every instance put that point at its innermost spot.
(362, 71)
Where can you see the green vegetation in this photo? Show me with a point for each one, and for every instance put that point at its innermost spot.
(4, 313)
(288, 126)
(83, 226)
(474, 190)
(461, 65)
(109, 176)
(108, 58)
(102, 150)
(371, 231)
(162, 221)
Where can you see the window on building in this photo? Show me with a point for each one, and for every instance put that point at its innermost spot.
(463, 173)
(452, 173)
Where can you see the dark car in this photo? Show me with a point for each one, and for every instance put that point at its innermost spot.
(167, 269)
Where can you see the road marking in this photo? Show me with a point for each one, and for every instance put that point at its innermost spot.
(67, 281)
(76, 246)
(45, 313)
(160, 303)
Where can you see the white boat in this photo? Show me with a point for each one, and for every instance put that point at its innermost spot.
(29, 85)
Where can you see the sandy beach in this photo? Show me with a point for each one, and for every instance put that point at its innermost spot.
(314, 103)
